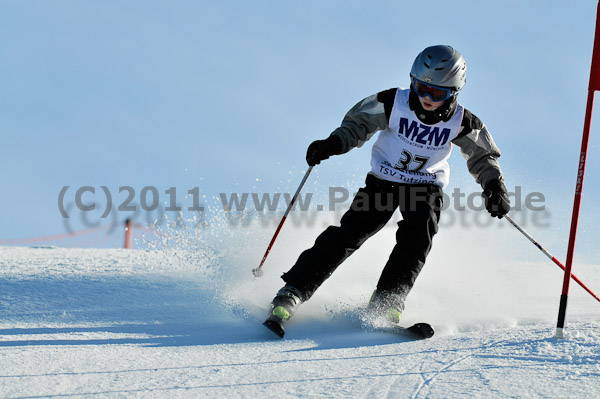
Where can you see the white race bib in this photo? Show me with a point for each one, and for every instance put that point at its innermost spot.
(411, 152)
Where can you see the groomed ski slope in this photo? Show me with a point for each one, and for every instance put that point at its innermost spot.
(187, 323)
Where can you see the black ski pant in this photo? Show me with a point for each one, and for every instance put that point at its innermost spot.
(371, 209)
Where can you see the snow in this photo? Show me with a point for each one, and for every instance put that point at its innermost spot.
(116, 323)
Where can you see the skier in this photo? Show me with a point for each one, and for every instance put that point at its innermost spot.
(409, 169)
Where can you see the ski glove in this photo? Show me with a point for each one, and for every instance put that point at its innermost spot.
(496, 199)
(320, 150)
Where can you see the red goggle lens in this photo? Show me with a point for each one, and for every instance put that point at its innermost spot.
(435, 93)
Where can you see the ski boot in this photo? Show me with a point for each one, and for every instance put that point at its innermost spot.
(283, 307)
(386, 307)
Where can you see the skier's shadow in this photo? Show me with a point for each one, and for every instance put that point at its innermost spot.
(150, 311)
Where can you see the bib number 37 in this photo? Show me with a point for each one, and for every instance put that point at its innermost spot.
(411, 162)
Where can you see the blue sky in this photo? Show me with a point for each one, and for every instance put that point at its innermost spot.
(226, 96)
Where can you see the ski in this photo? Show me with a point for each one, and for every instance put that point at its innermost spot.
(416, 331)
(275, 326)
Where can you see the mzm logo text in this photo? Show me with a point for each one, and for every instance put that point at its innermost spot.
(423, 134)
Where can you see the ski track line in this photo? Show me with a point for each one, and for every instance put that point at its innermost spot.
(429, 381)
(374, 392)
(374, 388)
(388, 392)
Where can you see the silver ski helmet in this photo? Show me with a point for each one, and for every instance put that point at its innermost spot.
(440, 66)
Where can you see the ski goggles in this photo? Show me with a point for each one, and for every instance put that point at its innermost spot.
(436, 93)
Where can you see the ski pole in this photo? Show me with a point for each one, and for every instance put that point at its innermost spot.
(258, 272)
(550, 256)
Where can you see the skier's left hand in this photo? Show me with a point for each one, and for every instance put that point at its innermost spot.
(496, 199)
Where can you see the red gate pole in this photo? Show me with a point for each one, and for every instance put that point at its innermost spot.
(128, 226)
(593, 86)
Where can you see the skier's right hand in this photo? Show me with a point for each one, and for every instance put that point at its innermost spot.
(320, 150)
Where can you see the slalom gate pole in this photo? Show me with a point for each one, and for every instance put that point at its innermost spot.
(258, 272)
(549, 255)
(562, 311)
(594, 84)
(128, 228)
